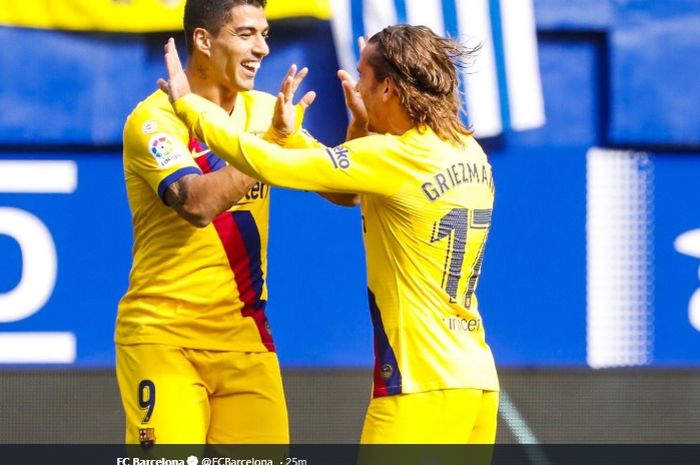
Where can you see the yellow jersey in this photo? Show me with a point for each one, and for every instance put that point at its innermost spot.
(426, 209)
(200, 288)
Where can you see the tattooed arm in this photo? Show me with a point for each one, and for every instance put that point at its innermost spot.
(200, 198)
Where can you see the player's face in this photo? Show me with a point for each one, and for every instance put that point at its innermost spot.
(371, 91)
(239, 47)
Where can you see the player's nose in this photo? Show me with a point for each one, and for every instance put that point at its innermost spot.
(260, 48)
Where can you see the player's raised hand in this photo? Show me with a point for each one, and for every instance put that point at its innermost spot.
(177, 84)
(284, 119)
(359, 124)
(352, 97)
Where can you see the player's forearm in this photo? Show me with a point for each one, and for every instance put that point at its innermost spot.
(201, 198)
(210, 124)
(234, 185)
(218, 191)
(313, 169)
(302, 140)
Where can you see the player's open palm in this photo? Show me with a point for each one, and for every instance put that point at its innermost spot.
(352, 97)
(284, 120)
(177, 84)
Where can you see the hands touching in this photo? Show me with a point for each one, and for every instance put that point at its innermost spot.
(284, 120)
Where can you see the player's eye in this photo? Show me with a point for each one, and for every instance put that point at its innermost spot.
(242, 34)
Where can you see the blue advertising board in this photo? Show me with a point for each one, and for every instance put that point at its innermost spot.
(532, 294)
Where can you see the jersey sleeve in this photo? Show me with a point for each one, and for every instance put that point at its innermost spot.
(362, 165)
(302, 139)
(155, 149)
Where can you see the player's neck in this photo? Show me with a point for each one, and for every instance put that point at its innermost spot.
(204, 87)
(398, 121)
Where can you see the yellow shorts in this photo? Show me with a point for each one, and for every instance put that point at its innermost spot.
(450, 416)
(173, 395)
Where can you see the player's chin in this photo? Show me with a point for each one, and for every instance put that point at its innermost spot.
(245, 83)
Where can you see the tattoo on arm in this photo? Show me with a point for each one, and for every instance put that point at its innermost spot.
(200, 198)
(176, 193)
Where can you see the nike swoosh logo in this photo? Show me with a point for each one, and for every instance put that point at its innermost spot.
(197, 154)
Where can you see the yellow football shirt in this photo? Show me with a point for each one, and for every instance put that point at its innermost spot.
(201, 288)
(426, 209)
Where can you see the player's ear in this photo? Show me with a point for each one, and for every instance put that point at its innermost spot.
(201, 41)
(388, 88)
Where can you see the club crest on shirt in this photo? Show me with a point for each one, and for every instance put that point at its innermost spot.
(165, 149)
(339, 157)
(147, 437)
(386, 371)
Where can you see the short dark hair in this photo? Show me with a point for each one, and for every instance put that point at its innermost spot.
(425, 69)
(210, 15)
